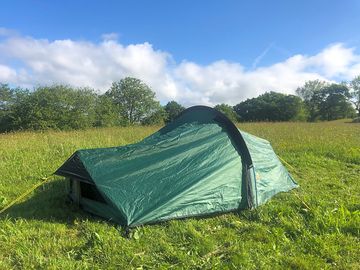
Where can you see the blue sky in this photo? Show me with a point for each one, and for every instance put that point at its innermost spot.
(245, 36)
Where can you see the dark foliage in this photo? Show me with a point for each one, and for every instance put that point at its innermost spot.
(228, 111)
(270, 106)
(325, 101)
(172, 110)
(54, 107)
(134, 99)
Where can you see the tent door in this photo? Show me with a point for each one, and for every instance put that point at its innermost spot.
(80, 189)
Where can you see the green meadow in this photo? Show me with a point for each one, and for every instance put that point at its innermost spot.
(316, 226)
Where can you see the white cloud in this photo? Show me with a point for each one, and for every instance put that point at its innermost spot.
(81, 63)
(7, 74)
(110, 36)
(335, 60)
(7, 32)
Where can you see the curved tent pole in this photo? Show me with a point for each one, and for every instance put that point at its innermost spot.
(236, 138)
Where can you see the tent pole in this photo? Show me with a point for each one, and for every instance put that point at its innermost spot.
(75, 191)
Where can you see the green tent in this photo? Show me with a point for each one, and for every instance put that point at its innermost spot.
(199, 164)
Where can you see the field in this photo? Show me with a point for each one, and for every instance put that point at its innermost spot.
(314, 227)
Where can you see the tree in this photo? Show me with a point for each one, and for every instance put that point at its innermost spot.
(82, 109)
(107, 113)
(228, 111)
(354, 86)
(6, 95)
(172, 110)
(333, 102)
(134, 99)
(156, 118)
(309, 88)
(9, 97)
(270, 106)
(308, 93)
(6, 100)
(54, 107)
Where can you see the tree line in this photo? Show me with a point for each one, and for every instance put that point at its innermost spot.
(130, 101)
(314, 101)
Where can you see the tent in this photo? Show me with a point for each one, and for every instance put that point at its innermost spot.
(199, 164)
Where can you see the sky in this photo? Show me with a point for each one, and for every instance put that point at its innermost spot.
(194, 52)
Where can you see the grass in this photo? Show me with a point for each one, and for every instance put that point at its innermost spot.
(315, 227)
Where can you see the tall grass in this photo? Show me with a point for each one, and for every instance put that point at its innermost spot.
(314, 227)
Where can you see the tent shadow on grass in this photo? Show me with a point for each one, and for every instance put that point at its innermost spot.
(50, 203)
(47, 203)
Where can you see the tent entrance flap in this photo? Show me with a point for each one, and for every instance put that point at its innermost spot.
(80, 189)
